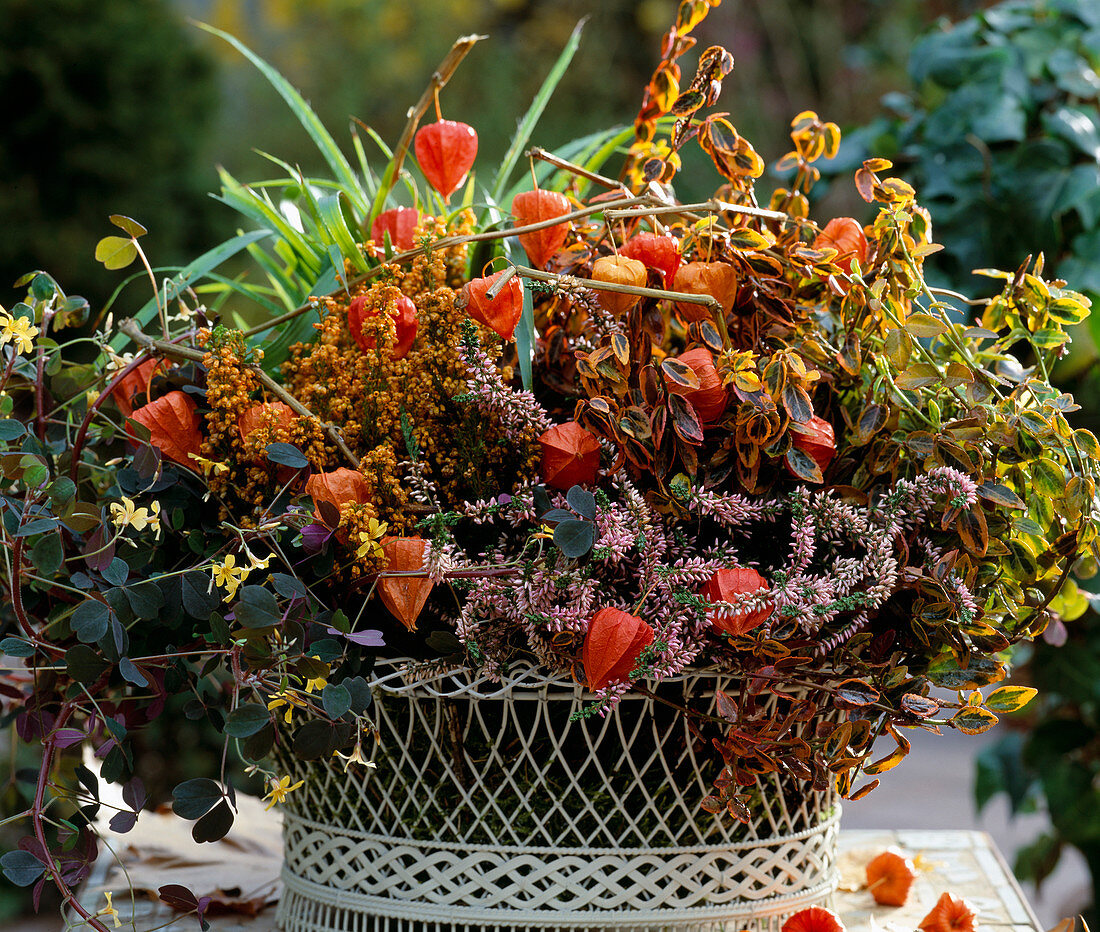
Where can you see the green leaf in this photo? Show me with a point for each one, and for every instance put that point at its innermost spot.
(246, 720)
(146, 599)
(336, 216)
(1000, 495)
(257, 608)
(1009, 698)
(198, 599)
(132, 227)
(21, 867)
(11, 429)
(339, 166)
(47, 555)
(131, 673)
(925, 325)
(336, 700)
(192, 799)
(286, 454)
(582, 502)
(215, 825)
(534, 112)
(36, 525)
(16, 647)
(115, 252)
(574, 538)
(90, 620)
(84, 664)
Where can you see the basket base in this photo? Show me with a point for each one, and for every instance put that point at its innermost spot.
(299, 911)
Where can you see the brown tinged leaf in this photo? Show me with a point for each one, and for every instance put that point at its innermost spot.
(404, 596)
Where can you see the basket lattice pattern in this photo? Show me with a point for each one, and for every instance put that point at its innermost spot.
(490, 809)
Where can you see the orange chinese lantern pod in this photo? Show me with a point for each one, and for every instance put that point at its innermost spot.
(709, 399)
(656, 252)
(535, 207)
(725, 586)
(274, 414)
(816, 439)
(890, 877)
(136, 382)
(570, 456)
(499, 314)
(614, 641)
(400, 223)
(173, 426)
(717, 279)
(814, 919)
(445, 151)
(404, 318)
(846, 236)
(950, 914)
(618, 270)
(404, 596)
(342, 486)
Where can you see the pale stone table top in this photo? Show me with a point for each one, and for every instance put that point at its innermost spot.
(247, 864)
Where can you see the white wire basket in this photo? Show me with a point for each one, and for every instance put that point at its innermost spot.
(491, 810)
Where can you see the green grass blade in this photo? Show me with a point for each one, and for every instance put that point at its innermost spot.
(199, 268)
(534, 112)
(302, 110)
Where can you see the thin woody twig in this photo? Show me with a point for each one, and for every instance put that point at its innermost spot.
(447, 243)
(130, 328)
(535, 152)
(571, 281)
(715, 206)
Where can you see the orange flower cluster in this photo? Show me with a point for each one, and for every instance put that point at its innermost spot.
(392, 410)
(238, 428)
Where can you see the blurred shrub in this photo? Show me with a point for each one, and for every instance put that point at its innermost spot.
(1001, 137)
(105, 105)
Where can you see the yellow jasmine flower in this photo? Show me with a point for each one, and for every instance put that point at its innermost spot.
(369, 538)
(208, 466)
(127, 514)
(316, 683)
(229, 576)
(109, 910)
(289, 700)
(280, 789)
(355, 757)
(17, 329)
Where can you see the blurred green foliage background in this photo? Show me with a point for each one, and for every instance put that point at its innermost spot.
(122, 106)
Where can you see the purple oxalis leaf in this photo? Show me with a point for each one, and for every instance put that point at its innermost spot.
(369, 638)
(314, 537)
